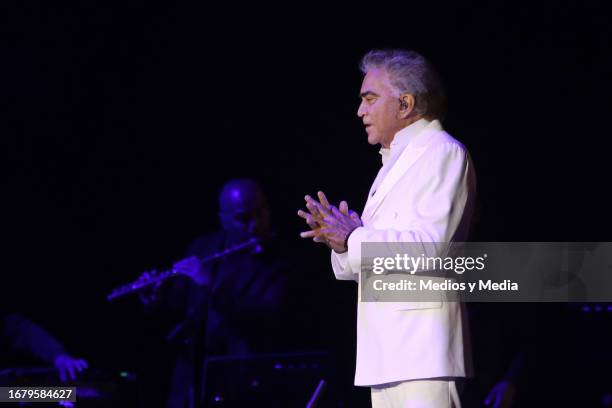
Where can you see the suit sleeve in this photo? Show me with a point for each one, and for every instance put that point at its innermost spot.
(25, 335)
(444, 189)
(342, 268)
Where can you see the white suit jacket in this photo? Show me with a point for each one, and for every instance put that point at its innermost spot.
(426, 196)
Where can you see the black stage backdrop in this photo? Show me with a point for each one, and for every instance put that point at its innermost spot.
(122, 120)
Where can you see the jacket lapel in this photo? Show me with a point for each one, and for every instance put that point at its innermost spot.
(408, 157)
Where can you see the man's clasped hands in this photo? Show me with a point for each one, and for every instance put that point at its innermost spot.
(329, 224)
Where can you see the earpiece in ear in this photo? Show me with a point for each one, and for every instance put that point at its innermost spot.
(403, 105)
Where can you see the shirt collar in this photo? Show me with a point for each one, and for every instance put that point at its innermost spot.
(401, 139)
(384, 152)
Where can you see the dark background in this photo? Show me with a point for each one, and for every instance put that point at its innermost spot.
(122, 120)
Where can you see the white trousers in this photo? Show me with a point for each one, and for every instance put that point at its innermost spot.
(416, 394)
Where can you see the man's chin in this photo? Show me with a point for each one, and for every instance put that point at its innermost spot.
(372, 139)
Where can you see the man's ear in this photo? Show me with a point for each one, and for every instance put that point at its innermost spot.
(407, 102)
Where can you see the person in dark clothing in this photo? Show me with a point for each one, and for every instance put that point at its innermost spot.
(22, 335)
(229, 306)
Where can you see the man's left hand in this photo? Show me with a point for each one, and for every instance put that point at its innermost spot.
(329, 224)
(193, 268)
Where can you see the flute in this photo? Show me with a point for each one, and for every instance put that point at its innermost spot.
(167, 274)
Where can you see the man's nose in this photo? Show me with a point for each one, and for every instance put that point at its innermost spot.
(361, 110)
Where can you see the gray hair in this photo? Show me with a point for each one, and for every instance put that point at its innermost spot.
(411, 73)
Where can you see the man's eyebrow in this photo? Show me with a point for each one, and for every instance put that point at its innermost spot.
(367, 93)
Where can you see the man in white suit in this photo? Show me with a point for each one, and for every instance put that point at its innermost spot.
(409, 353)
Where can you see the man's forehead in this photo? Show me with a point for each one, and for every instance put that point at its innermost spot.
(375, 80)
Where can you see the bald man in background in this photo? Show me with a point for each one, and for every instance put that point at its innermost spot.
(230, 306)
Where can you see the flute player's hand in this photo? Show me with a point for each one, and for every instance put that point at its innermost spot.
(193, 268)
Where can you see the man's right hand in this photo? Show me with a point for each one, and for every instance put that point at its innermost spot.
(148, 294)
(329, 225)
(192, 267)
